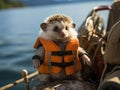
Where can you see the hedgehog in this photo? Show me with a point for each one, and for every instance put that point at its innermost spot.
(57, 51)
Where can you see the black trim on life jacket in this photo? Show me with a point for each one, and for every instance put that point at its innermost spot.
(39, 45)
(63, 64)
(37, 57)
(61, 53)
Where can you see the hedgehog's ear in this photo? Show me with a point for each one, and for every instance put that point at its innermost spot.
(44, 26)
(73, 25)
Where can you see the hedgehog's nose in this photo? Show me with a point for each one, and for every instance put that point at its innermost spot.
(63, 34)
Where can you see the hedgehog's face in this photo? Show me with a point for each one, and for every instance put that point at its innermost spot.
(58, 30)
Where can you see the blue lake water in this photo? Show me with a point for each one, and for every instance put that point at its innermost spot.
(19, 29)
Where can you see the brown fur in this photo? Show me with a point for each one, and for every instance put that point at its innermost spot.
(58, 17)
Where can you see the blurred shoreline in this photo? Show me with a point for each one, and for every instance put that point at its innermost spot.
(6, 4)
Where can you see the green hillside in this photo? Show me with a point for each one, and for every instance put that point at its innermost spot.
(4, 4)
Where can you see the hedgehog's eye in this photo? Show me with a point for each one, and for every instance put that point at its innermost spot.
(66, 28)
(55, 29)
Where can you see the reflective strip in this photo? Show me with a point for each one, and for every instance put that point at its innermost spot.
(75, 54)
(49, 62)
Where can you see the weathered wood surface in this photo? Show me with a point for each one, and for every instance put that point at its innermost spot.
(67, 85)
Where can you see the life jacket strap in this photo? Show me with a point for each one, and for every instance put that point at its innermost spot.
(49, 62)
(62, 65)
(61, 53)
(75, 58)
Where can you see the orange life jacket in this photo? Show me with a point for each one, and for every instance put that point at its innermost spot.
(55, 59)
